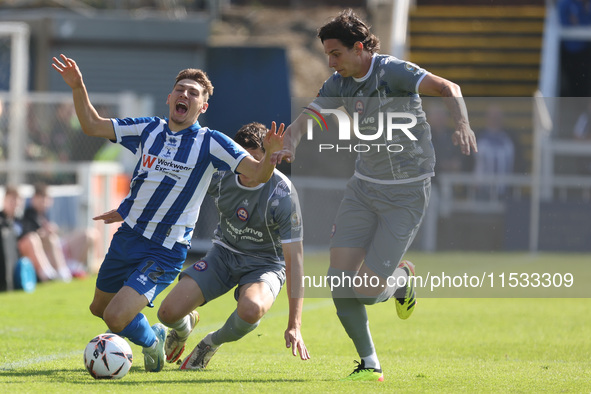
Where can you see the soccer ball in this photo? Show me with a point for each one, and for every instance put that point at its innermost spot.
(108, 356)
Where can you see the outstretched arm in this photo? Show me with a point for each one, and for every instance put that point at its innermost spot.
(294, 261)
(92, 124)
(432, 85)
(293, 135)
(261, 171)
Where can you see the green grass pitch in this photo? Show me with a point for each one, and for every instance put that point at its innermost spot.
(460, 344)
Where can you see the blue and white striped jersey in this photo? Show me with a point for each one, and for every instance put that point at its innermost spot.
(172, 175)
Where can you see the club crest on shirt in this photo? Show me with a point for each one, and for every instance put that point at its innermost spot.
(170, 147)
(411, 67)
(201, 265)
(295, 220)
(359, 107)
(242, 214)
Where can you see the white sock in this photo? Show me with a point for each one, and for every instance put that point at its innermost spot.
(371, 361)
(208, 340)
(153, 347)
(182, 327)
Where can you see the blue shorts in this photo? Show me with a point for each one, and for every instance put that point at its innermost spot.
(135, 261)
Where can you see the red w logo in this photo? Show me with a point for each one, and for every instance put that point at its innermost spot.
(148, 161)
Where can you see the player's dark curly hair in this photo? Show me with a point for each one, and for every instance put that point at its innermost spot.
(198, 76)
(251, 135)
(349, 28)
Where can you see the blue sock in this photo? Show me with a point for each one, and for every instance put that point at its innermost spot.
(139, 331)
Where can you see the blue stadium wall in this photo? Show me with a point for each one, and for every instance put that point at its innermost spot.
(250, 84)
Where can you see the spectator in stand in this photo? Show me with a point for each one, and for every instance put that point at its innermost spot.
(496, 151)
(582, 132)
(3, 133)
(30, 244)
(582, 129)
(575, 55)
(9, 213)
(53, 258)
(447, 159)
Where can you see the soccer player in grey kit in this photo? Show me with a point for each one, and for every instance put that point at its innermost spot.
(257, 246)
(387, 197)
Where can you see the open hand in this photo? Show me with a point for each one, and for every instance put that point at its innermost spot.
(273, 141)
(466, 139)
(283, 154)
(294, 340)
(111, 216)
(69, 71)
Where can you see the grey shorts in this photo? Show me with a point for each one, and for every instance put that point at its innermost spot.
(221, 269)
(382, 219)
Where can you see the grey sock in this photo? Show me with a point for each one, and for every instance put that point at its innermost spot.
(351, 312)
(234, 329)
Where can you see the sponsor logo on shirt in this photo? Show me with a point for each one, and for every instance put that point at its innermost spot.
(243, 234)
(170, 167)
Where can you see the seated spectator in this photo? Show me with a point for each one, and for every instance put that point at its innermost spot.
(8, 215)
(54, 258)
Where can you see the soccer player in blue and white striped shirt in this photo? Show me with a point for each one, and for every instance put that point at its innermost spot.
(177, 158)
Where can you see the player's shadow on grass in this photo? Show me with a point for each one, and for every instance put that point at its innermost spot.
(45, 372)
(193, 378)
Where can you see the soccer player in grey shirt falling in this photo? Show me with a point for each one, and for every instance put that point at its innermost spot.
(387, 197)
(257, 246)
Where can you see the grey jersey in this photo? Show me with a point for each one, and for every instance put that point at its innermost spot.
(256, 220)
(391, 85)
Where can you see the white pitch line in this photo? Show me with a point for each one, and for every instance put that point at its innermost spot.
(37, 360)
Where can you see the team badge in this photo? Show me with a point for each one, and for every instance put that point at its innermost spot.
(242, 214)
(359, 107)
(170, 147)
(201, 265)
(411, 67)
(295, 220)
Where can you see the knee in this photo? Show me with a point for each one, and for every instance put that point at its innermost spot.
(53, 238)
(167, 316)
(251, 311)
(96, 309)
(115, 321)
